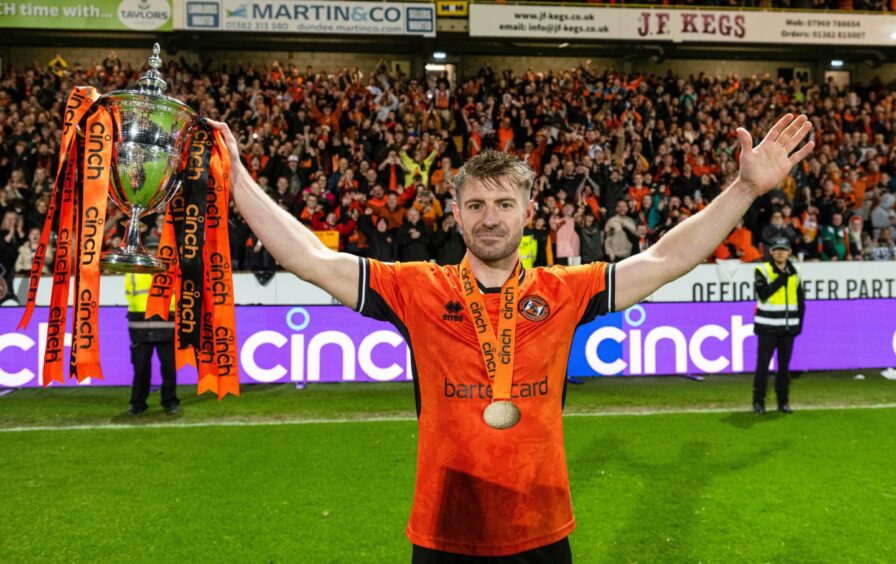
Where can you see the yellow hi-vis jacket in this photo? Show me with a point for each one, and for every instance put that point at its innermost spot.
(136, 289)
(528, 251)
(780, 301)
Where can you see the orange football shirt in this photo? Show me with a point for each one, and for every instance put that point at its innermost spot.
(482, 491)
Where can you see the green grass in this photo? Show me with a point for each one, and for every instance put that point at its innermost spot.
(816, 486)
(97, 405)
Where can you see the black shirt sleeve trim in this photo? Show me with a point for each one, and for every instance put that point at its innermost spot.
(610, 285)
(602, 302)
(363, 284)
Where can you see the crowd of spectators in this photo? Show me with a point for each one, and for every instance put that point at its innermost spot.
(371, 155)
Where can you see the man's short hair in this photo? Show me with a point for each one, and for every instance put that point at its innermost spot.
(492, 166)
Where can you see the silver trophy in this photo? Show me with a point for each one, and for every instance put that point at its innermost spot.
(151, 134)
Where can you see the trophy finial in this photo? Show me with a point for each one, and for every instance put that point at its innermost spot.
(152, 81)
(155, 61)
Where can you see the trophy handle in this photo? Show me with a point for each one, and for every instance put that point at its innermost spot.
(130, 256)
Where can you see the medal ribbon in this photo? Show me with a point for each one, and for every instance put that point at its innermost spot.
(79, 101)
(97, 159)
(497, 349)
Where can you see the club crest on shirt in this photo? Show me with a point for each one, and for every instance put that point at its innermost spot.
(534, 308)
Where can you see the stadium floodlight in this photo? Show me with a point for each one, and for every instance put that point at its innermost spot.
(439, 55)
(837, 63)
(435, 68)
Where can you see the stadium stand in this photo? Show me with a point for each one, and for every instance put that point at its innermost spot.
(342, 148)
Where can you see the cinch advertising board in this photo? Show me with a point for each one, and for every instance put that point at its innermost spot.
(283, 344)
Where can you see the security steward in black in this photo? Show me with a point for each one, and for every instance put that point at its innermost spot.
(146, 335)
(780, 308)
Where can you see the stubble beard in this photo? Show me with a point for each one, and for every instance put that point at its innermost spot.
(492, 251)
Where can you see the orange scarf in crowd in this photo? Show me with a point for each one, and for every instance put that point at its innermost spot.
(194, 243)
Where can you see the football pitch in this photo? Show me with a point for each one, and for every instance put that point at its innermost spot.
(661, 470)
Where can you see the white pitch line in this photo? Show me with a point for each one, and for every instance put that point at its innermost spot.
(830, 407)
(281, 422)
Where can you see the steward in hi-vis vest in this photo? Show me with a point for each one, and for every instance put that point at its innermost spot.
(528, 249)
(779, 318)
(146, 335)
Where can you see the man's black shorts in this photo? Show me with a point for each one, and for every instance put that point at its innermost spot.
(557, 553)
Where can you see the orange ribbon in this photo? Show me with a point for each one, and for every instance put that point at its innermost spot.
(497, 349)
(97, 164)
(217, 359)
(79, 101)
(221, 276)
(82, 213)
(62, 268)
(163, 283)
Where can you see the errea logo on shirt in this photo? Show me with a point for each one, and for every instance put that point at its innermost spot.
(453, 310)
(534, 308)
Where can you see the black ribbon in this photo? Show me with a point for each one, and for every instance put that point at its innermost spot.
(76, 245)
(188, 212)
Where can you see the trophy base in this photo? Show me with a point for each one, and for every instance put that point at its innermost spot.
(138, 263)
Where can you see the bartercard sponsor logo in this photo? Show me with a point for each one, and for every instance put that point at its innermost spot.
(482, 390)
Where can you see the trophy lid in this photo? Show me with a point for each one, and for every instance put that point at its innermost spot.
(152, 82)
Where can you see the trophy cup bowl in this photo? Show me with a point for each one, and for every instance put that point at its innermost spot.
(150, 139)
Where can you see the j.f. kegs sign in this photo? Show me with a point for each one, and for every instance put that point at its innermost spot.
(681, 25)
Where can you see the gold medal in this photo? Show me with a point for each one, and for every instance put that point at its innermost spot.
(501, 415)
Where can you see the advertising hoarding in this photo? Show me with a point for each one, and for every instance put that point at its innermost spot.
(283, 344)
(681, 25)
(88, 15)
(300, 16)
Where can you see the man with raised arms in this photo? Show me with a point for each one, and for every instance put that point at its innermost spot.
(489, 342)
